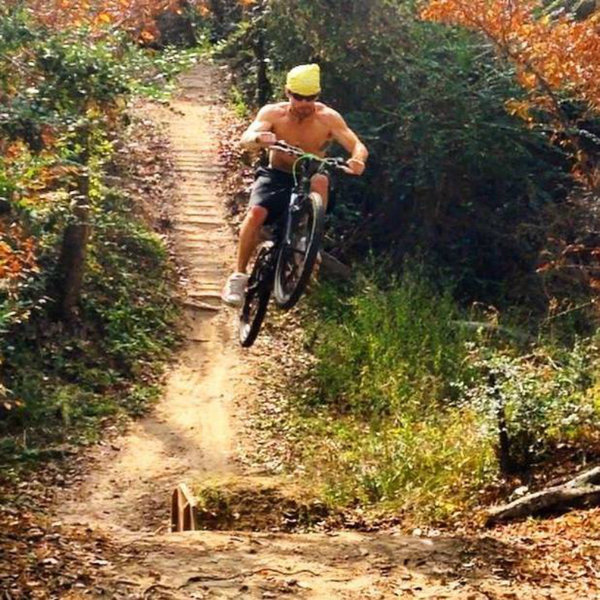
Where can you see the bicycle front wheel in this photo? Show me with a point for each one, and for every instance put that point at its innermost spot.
(299, 253)
(256, 301)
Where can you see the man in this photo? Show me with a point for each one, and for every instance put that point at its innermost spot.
(301, 122)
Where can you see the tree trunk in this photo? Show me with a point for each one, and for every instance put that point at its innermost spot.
(264, 89)
(71, 264)
(508, 465)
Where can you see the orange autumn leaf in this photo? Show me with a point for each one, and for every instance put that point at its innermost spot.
(558, 52)
(104, 18)
(17, 253)
(135, 16)
(147, 36)
(554, 56)
(14, 151)
(595, 284)
(520, 108)
(547, 266)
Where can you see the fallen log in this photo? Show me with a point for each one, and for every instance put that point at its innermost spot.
(582, 491)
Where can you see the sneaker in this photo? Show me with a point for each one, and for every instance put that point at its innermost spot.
(235, 289)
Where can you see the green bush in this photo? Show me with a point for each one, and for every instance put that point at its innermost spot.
(546, 397)
(64, 97)
(392, 349)
(410, 396)
(62, 382)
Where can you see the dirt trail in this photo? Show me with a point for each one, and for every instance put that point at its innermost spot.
(192, 434)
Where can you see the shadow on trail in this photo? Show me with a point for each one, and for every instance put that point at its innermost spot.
(320, 565)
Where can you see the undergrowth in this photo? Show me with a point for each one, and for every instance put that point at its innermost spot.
(64, 383)
(63, 373)
(410, 392)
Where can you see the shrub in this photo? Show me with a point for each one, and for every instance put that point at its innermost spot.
(64, 94)
(545, 399)
(392, 349)
(419, 406)
(62, 382)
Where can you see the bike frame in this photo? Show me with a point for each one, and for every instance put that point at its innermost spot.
(301, 189)
(266, 274)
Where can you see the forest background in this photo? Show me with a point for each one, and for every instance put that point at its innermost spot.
(459, 362)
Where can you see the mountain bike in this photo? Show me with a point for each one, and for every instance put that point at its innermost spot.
(285, 261)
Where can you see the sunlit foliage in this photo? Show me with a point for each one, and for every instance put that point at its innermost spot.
(557, 58)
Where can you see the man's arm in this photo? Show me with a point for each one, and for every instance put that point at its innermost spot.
(259, 134)
(349, 140)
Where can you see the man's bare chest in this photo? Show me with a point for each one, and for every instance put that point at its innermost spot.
(312, 136)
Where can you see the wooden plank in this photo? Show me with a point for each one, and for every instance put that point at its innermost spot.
(183, 509)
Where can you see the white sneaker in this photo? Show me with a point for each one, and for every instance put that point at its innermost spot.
(235, 289)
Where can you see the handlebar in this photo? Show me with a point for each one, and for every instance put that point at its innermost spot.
(333, 161)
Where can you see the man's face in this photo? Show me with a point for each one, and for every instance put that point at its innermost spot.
(303, 106)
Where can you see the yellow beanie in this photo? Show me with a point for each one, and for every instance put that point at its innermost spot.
(304, 80)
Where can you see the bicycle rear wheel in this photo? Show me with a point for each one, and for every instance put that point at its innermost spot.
(298, 255)
(256, 301)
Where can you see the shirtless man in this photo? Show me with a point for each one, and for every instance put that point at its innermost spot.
(302, 122)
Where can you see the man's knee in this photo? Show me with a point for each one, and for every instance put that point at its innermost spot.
(256, 216)
(319, 183)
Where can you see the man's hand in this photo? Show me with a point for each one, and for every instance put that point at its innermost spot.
(265, 138)
(354, 166)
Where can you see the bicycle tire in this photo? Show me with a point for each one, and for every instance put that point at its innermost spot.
(287, 296)
(256, 301)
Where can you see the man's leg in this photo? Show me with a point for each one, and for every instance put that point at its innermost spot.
(249, 232)
(320, 183)
(235, 287)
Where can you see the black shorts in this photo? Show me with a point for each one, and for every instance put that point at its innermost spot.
(271, 190)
